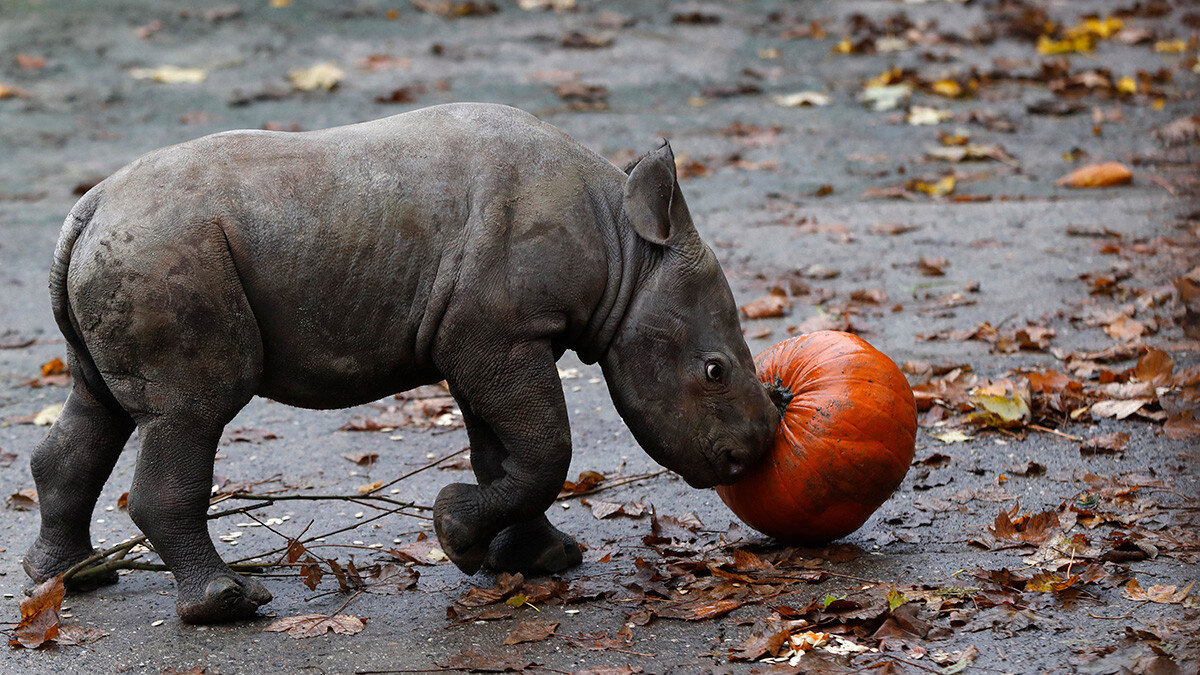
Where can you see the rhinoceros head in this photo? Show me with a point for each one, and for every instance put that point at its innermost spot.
(678, 368)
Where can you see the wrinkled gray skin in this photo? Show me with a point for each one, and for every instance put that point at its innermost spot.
(471, 243)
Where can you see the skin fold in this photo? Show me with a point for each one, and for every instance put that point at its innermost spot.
(325, 269)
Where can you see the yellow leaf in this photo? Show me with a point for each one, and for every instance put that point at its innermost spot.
(943, 187)
(1047, 45)
(1000, 404)
(1127, 85)
(281, 3)
(324, 76)
(170, 74)
(1170, 46)
(890, 76)
(364, 489)
(947, 88)
(1094, 27)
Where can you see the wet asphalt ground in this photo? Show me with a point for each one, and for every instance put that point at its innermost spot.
(82, 115)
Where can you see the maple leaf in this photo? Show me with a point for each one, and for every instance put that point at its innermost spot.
(1029, 529)
(314, 625)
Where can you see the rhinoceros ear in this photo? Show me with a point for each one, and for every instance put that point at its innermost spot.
(653, 201)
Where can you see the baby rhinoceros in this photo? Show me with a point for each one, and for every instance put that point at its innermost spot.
(469, 243)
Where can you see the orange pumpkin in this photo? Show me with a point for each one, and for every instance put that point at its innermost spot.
(844, 444)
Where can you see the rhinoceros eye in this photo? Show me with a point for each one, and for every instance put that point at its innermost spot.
(714, 371)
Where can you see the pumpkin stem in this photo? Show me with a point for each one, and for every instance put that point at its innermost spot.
(779, 394)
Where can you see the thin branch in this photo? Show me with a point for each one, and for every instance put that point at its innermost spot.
(416, 471)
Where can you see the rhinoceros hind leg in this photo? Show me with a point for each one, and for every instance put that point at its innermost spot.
(70, 467)
(534, 547)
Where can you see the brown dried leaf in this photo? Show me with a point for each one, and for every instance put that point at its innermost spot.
(39, 615)
(1183, 131)
(1155, 367)
(773, 305)
(30, 61)
(25, 499)
(1164, 595)
(314, 625)
(247, 435)
(362, 458)
(531, 631)
(1029, 528)
(588, 480)
(602, 510)
(933, 266)
(1114, 442)
(1182, 425)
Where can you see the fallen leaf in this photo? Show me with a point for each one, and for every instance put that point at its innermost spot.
(39, 615)
(247, 435)
(475, 660)
(1106, 174)
(1183, 131)
(25, 499)
(170, 74)
(1182, 425)
(885, 97)
(7, 91)
(920, 115)
(892, 229)
(1031, 529)
(29, 61)
(587, 481)
(401, 95)
(939, 188)
(1163, 595)
(954, 436)
(769, 306)
(74, 634)
(602, 510)
(802, 99)
(315, 625)
(383, 62)
(1155, 367)
(531, 631)
(873, 296)
(455, 9)
(580, 40)
(1124, 328)
(324, 76)
(362, 458)
(580, 96)
(1114, 442)
(933, 266)
(1119, 408)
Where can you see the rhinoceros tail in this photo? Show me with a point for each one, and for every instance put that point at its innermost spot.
(79, 218)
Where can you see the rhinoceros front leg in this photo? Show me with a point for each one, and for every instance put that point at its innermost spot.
(516, 402)
(534, 546)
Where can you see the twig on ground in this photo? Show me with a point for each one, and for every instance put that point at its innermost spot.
(1056, 432)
